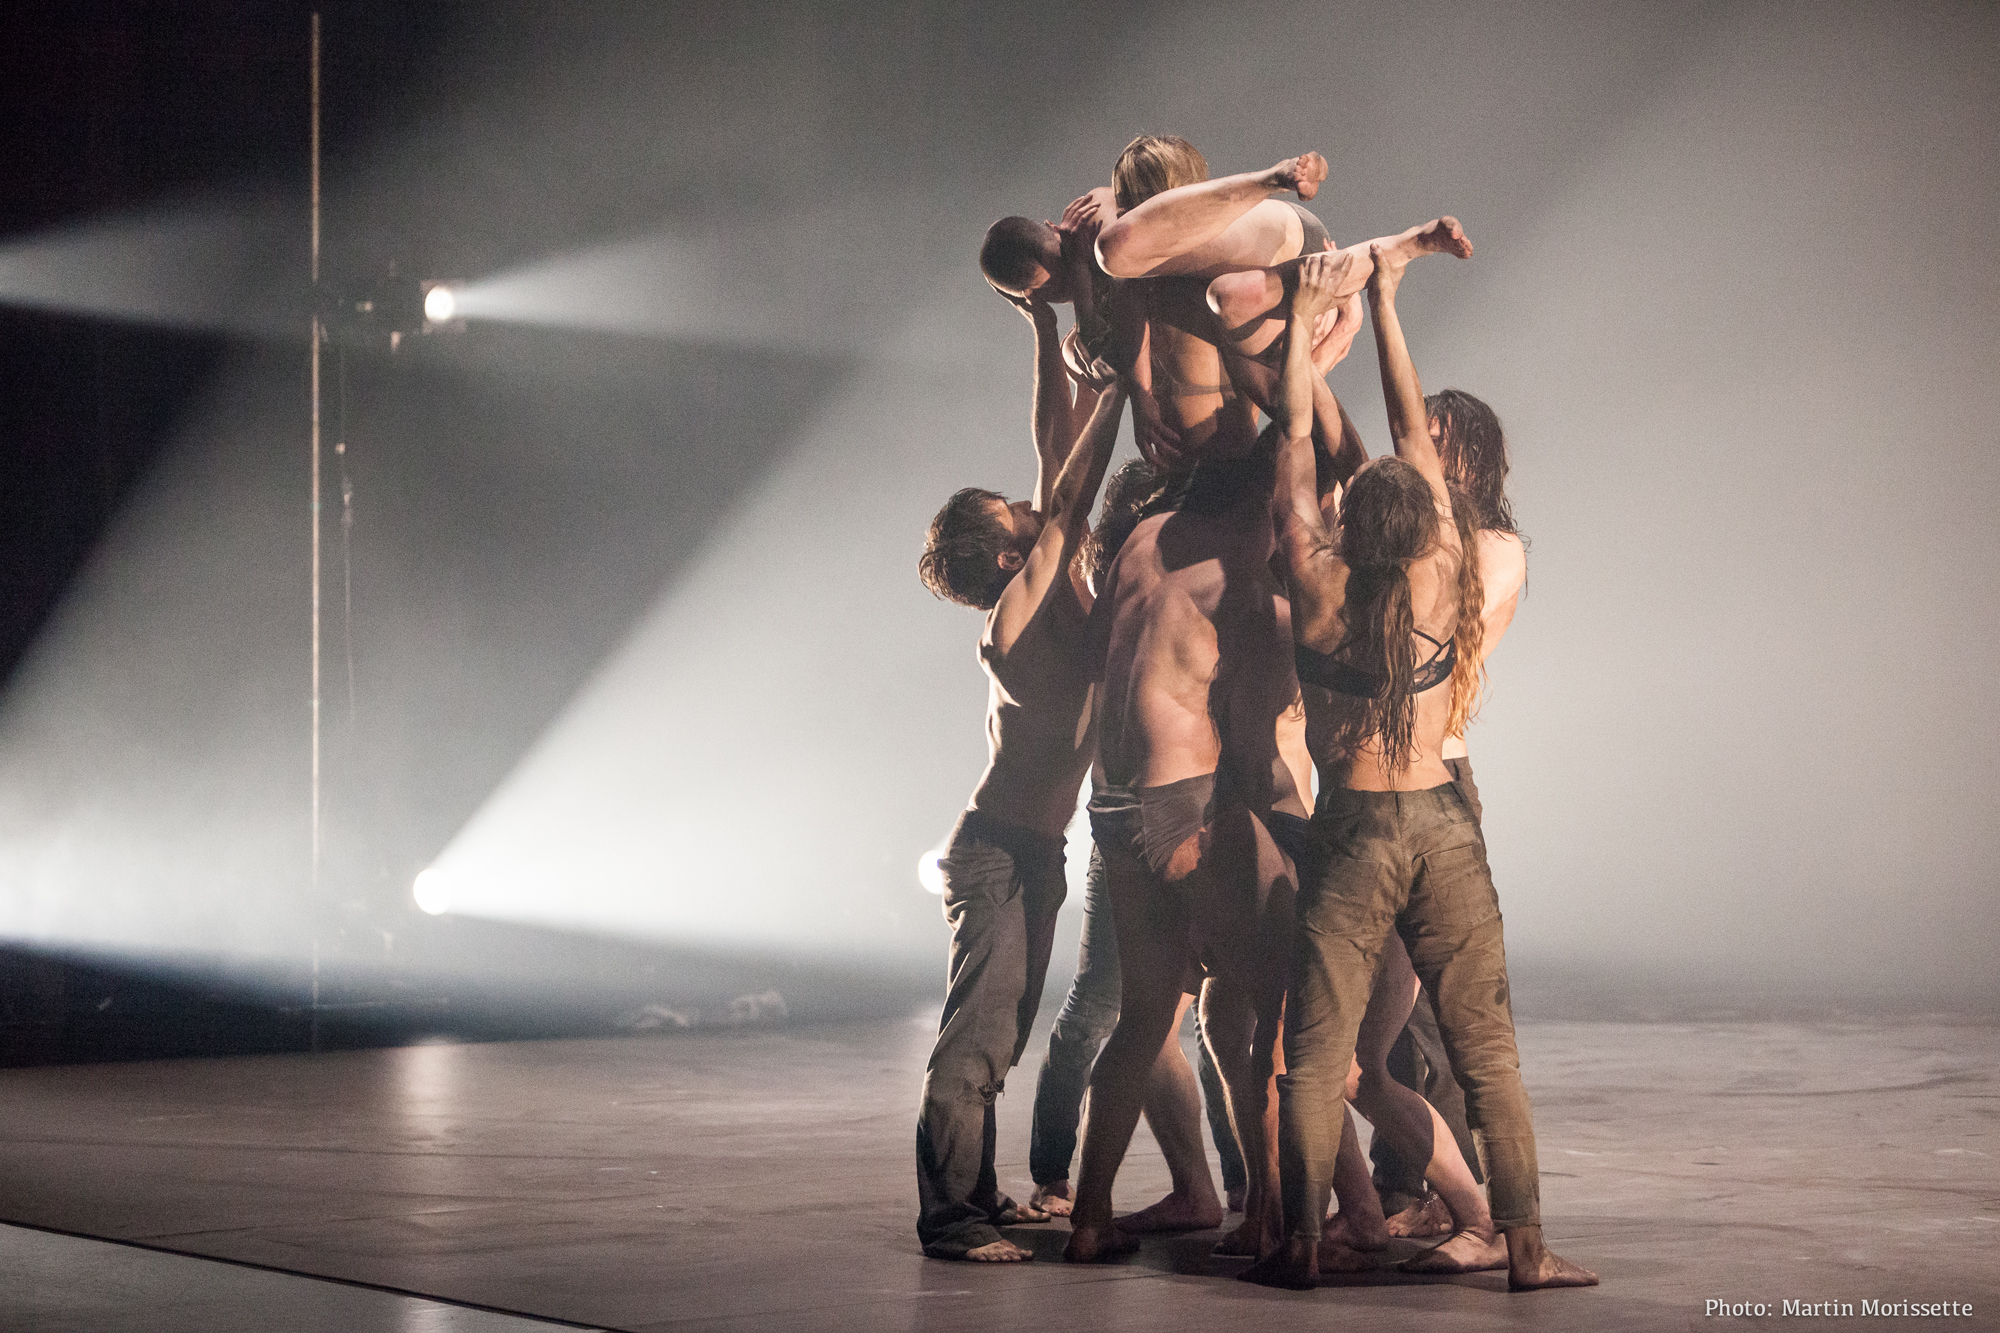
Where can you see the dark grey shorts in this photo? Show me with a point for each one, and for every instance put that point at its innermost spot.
(1151, 822)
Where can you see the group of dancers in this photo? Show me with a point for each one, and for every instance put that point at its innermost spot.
(1252, 607)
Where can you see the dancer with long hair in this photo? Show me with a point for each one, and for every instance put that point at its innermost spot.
(1385, 611)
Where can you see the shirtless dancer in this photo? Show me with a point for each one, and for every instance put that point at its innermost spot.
(1165, 201)
(1403, 853)
(1003, 868)
(1138, 876)
(1195, 681)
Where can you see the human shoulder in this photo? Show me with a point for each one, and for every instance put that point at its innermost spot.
(1503, 556)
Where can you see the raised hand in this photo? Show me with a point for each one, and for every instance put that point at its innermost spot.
(1084, 217)
(1322, 278)
(1037, 311)
(1388, 274)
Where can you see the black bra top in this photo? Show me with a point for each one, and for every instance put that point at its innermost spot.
(1330, 673)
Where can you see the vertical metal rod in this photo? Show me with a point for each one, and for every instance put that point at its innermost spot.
(312, 907)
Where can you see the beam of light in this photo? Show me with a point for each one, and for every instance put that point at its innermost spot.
(211, 267)
(767, 281)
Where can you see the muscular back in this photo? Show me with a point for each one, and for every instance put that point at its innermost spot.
(1197, 665)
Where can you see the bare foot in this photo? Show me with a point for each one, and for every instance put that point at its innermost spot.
(1302, 173)
(1088, 1245)
(1531, 1265)
(1052, 1198)
(1466, 1252)
(1174, 1213)
(999, 1252)
(1014, 1214)
(1423, 1219)
(1336, 1256)
(1356, 1231)
(1443, 237)
(1294, 1266)
(1241, 1243)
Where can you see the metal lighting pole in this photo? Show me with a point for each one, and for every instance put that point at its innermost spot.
(312, 907)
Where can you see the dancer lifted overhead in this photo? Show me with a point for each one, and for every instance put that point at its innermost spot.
(1003, 867)
(1382, 607)
(1160, 334)
(1220, 256)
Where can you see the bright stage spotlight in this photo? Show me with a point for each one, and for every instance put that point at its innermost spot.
(433, 895)
(440, 304)
(929, 873)
(382, 311)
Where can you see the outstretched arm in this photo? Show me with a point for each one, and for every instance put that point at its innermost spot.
(1313, 571)
(1409, 422)
(1063, 528)
(1052, 424)
(1143, 242)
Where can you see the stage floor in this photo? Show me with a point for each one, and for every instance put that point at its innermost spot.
(762, 1180)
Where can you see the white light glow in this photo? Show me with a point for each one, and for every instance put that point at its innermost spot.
(432, 893)
(440, 304)
(929, 873)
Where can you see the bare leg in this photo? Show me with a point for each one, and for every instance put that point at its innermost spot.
(1244, 900)
(1252, 303)
(1241, 1046)
(1173, 223)
(1359, 1228)
(1153, 956)
(1173, 1110)
(1415, 1129)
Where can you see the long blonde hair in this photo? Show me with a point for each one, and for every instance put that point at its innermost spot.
(1468, 672)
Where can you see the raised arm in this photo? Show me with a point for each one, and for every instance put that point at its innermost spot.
(1409, 422)
(1063, 528)
(1313, 571)
(1144, 242)
(1054, 433)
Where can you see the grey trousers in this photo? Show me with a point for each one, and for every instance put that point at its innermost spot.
(1081, 1029)
(1002, 889)
(1412, 862)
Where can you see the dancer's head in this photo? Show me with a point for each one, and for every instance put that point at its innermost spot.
(1132, 494)
(1473, 450)
(1152, 163)
(975, 545)
(1021, 257)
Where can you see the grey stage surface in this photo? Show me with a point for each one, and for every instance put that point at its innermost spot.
(762, 1181)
